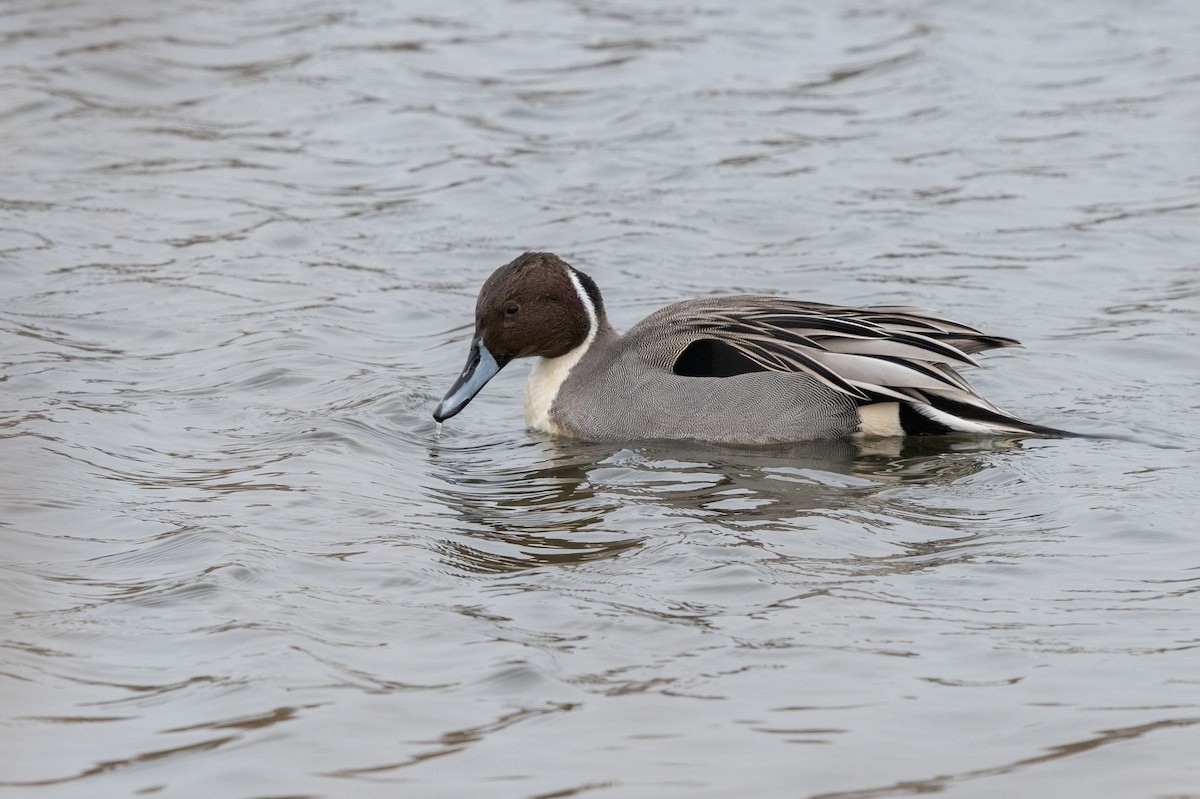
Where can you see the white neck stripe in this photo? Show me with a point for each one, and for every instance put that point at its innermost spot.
(586, 299)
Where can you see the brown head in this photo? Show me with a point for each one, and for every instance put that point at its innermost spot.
(535, 305)
(532, 307)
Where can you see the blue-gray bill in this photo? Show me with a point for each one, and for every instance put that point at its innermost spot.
(481, 367)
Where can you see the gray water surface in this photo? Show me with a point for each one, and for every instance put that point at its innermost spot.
(239, 250)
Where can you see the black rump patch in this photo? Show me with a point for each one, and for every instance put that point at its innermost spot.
(708, 357)
(915, 423)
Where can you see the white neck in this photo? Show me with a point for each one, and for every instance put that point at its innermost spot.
(549, 374)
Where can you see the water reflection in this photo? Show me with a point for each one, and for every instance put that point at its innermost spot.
(555, 502)
(944, 781)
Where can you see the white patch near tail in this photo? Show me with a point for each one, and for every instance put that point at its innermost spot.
(549, 374)
(880, 419)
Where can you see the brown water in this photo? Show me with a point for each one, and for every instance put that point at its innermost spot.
(239, 248)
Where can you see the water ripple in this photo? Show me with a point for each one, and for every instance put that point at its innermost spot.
(240, 252)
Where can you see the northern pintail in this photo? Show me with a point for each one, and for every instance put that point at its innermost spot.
(744, 369)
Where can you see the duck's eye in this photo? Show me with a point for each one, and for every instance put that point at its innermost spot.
(512, 309)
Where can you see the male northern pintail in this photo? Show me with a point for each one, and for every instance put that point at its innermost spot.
(745, 370)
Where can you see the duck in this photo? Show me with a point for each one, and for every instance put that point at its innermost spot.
(725, 369)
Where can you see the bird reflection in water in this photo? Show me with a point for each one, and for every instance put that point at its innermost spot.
(553, 502)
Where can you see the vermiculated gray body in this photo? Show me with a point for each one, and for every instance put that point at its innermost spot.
(626, 392)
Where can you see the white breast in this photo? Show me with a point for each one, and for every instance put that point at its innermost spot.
(545, 380)
(549, 374)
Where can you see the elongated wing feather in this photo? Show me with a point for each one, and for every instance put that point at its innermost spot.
(869, 353)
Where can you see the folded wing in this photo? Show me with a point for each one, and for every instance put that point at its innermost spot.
(873, 354)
